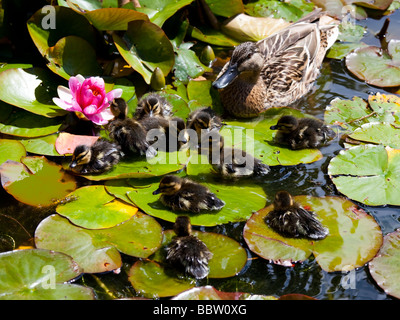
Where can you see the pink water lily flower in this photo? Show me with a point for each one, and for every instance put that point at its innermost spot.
(87, 96)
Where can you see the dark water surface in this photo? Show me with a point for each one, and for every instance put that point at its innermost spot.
(259, 276)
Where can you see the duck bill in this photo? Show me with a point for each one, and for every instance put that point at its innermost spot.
(229, 75)
(73, 164)
(156, 191)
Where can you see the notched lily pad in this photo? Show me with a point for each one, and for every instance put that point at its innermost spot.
(378, 133)
(354, 236)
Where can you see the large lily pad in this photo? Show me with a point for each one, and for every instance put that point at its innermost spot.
(378, 133)
(233, 195)
(93, 208)
(368, 174)
(40, 275)
(375, 66)
(113, 18)
(145, 46)
(41, 145)
(11, 150)
(384, 268)
(354, 236)
(98, 250)
(21, 180)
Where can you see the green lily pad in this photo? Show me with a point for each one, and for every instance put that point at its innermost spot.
(211, 36)
(93, 208)
(375, 66)
(38, 274)
(21, 180)
(354, 236)
(145, 46)
(225, 8)
(210, 293)
(99, 250)
(29, 89)
(150, 280)
(233, 195)
(41, 145)
(384, 268)
(368, 174)
(11, 150)
(340, 50)
(378, 133)
(119, 189)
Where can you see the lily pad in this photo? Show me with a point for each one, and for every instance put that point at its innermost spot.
(375, 66)
(98, 250)
(145, 46)
(44, 279)
(233, 195)
(354, 236)
(384, 268)
(21, 180)
(107, 19)
(225, 8)
(67, 142)
(11, 150)
(368, 174)
(41, 145)
(29, 89)
(378, 133)
(93, 208)
(210, 293)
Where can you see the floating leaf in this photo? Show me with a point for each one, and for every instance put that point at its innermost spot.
(378, 133)
(11, 150)
(107, 19)
(98, 250)
(384, 268)
(38, 274)
(225, 8)
(67, 142)
(29, 89)
(234, 210)
(145, 46)
(368, 174)
(21, 180)
(211, 36)
(41, 145)
(376, 67)
(354, 236)
(93, 208)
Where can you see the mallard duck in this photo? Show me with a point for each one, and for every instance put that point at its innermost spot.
(277, 70)
(290, 219)
(233, 162)
(302, 133)
(203, 120)
(152, 105)
(186, 252)
(119, 108)
(98, 158)
(186, 195)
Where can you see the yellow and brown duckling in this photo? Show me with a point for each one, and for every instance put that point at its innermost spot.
(302, 133)
(203, 120)
(233, 162)
(98, 158)
(182, 194)
(290, 219)
(275, 71)
(186, 252)
(153, 104)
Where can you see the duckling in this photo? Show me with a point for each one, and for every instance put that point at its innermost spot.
(232, 162)
(289, 219)
(275, 71)
(203, 120)
(302, 133)
(187, 252)
(186, 195)
(153, 104)
(127, 132)
(98, 158)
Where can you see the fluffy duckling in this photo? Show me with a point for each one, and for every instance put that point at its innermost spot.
(186, 195)
(119, 108)
(302, 133)
(289, 219)
(98, 158)
(152, 105)
(186, 252)
(232, 162)
(203, 120)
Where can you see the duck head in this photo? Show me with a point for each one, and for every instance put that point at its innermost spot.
(246, 62)
(286, 124)
(283, 200)
(169, 185)
(81, 156)
(182, 226)
(152, 105)
(119, 108)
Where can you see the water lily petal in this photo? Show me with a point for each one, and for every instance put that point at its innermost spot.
(114, 94)
(75, 83)
(86, 97)
(64, 94)
(97, 119)
(62, 104)
(95, 82)
(107, 115)
(90, 110)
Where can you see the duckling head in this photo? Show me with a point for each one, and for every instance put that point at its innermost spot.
(246, 62)
(119, 108)
(169, 185)
(81, 156)
(152, 105)
(179, 125)
(286, 124)
(283, 200)
(182, 226)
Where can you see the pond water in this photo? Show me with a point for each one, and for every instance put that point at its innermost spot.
(259, 276)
